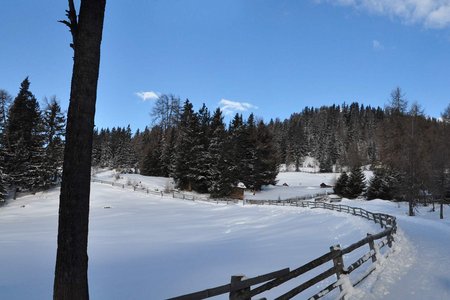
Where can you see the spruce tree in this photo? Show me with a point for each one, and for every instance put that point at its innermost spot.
(167, 149)
(185, 158)
(24, 138)
(356, 183)
(96, 149)
(201, 167)
(152, 164)
(341, 184)
(3, 192)
(54, 130)
(382, 185)
(221, 169)
(5, 100)
(266, 164)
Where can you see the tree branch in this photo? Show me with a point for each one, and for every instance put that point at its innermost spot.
(72, 21)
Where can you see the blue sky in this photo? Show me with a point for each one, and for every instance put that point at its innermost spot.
(270, 57)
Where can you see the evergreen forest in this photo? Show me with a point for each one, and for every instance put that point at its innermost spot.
(408, 151)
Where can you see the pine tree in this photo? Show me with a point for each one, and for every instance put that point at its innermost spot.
(266, 163)
(356, 183)
(54, 130)
(221, 170)
(382, 185)
(106, 156)
(341, 184)
(201, 168)
(3, 192)
(167, 145)
(5, 100)
(96, 149)
(185, 158)
(24, 138)
(152, 164)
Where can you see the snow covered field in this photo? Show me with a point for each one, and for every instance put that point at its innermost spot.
(148, 247)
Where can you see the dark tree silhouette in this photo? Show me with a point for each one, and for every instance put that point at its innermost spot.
(71, 280)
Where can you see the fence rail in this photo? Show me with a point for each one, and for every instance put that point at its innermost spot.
(143, 189)
(240, 288)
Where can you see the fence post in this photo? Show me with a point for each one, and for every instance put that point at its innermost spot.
(239, 294)
(372, 248)
(390, 239)
(338, 264)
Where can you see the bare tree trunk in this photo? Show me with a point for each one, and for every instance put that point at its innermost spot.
(441, 210)
(71, 280)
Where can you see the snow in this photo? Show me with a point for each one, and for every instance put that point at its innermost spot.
(151, 247)
(420, 267)
(299, 185)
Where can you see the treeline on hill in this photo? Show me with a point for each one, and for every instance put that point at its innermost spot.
(31, 142)
(408, 152)
(197, 149)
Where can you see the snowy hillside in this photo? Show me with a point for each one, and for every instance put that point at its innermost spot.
(151, 247)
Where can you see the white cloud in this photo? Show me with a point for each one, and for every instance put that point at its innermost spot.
(145, 96)
(377, 45)
(228, 107)
(428, 13)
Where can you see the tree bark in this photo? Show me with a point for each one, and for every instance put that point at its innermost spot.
(71, 280)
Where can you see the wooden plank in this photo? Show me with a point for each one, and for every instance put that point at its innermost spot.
(359, 262)
(260, 279)
(307, 284)
(296, 272)
(365, 240)
(216, 291)
(369, 271)
(324, 292)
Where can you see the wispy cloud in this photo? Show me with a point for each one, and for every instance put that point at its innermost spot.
(228, 106)
(428, 13)
(377, 45)
(145, 96)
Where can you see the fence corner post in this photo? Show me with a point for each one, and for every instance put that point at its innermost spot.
(390, 239)
(338, 263)
(372, 248)
(241, 294)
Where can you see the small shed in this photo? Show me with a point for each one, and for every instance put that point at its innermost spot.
(324, 185)
(238, 191)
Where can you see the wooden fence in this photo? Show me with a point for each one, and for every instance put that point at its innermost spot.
(241, 287)
(193, 196)
(146, 190)
(246, 288)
